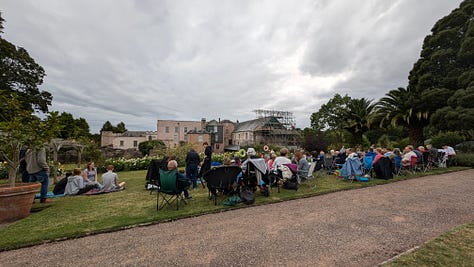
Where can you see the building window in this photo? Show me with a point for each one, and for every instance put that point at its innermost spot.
(150, 138)
(246, 136)
(195, 129)
(121, 142)
(226, 131)
(176, 129)
(135, 143)
(185, 129)
(238, 136)
(167, 129)
(217, 146)
(216, 138)
(200, 138)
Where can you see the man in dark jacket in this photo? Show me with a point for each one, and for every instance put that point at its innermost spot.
(192, 163)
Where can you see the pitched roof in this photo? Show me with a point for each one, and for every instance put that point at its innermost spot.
(134, 134)
(253, 125)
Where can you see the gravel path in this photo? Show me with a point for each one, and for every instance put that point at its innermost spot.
(351, 228)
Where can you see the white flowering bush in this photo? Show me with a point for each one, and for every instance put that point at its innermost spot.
(135, 164)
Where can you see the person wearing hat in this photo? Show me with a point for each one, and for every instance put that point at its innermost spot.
(251, 154)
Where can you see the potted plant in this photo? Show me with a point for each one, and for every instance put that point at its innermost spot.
(16, 131)
(20, 97)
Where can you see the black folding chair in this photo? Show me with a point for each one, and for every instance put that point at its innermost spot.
(221, 179)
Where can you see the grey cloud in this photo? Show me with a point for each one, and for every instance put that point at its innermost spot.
(139, 61)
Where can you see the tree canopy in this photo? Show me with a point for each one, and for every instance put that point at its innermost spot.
(21, 74)
(443, 76)
(120, 128)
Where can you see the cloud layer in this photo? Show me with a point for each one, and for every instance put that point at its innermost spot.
(139, 61)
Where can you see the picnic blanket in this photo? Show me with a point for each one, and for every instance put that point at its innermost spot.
(50, 194)
(98, 191)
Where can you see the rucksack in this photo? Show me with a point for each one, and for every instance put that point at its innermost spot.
(292, 185)
(247, 196)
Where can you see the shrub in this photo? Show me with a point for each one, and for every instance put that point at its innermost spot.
(448, 138)
(3, 171)
(465, 159)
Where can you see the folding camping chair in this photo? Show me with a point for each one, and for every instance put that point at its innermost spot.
(221, 179)
(168, 191)
(352, 169)
(411, 167)
(312, 167)
(368, 166)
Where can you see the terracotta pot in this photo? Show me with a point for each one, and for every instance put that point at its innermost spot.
(16, 202)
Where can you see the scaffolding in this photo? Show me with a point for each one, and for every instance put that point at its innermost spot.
(278, 131)
(286, 118)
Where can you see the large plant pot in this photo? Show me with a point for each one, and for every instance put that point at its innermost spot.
(16, 202)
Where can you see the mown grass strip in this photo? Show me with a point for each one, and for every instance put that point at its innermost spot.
(453, 248)
(71, 217)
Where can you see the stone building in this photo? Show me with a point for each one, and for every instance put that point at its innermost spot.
(265, 131)
(172, 132)
(126, 140)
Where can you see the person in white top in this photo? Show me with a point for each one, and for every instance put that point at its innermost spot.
(282, 159)
(450, 153)
(408, 154)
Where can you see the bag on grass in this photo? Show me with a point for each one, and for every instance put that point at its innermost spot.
(290, 185)
(232, 201)
(247, 196)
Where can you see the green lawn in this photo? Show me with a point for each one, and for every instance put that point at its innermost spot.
(76, 216)
(454, 248)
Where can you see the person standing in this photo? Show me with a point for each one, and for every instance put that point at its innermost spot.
(206, 164)
(192, 163)
(25, 177)
(38, 170)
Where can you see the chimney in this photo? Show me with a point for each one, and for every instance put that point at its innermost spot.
(219, 120)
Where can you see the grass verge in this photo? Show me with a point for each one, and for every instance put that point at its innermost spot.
(453, 248)
(70, 217)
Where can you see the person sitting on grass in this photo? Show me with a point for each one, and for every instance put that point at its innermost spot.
(183, 182)
(75, 184)
(109, 180)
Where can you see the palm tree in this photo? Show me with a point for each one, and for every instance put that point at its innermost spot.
(403, 107)
(357, 117)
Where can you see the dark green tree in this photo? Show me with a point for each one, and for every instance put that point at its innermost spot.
(107, 127)
(331, 115)
(146, 146)
(357, 117)
(401, 108)
(72, 128)
(442, 77)
(313, 140)
(22, 75)
(120, 128)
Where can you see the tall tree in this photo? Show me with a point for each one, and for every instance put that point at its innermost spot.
(120, 127)
(22, 75)
(357, 116)
(330, 115)
(73, 128)
(108, 127)
(400, 108)
(443, 76)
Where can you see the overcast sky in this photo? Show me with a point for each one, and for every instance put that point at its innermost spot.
(144, 60)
